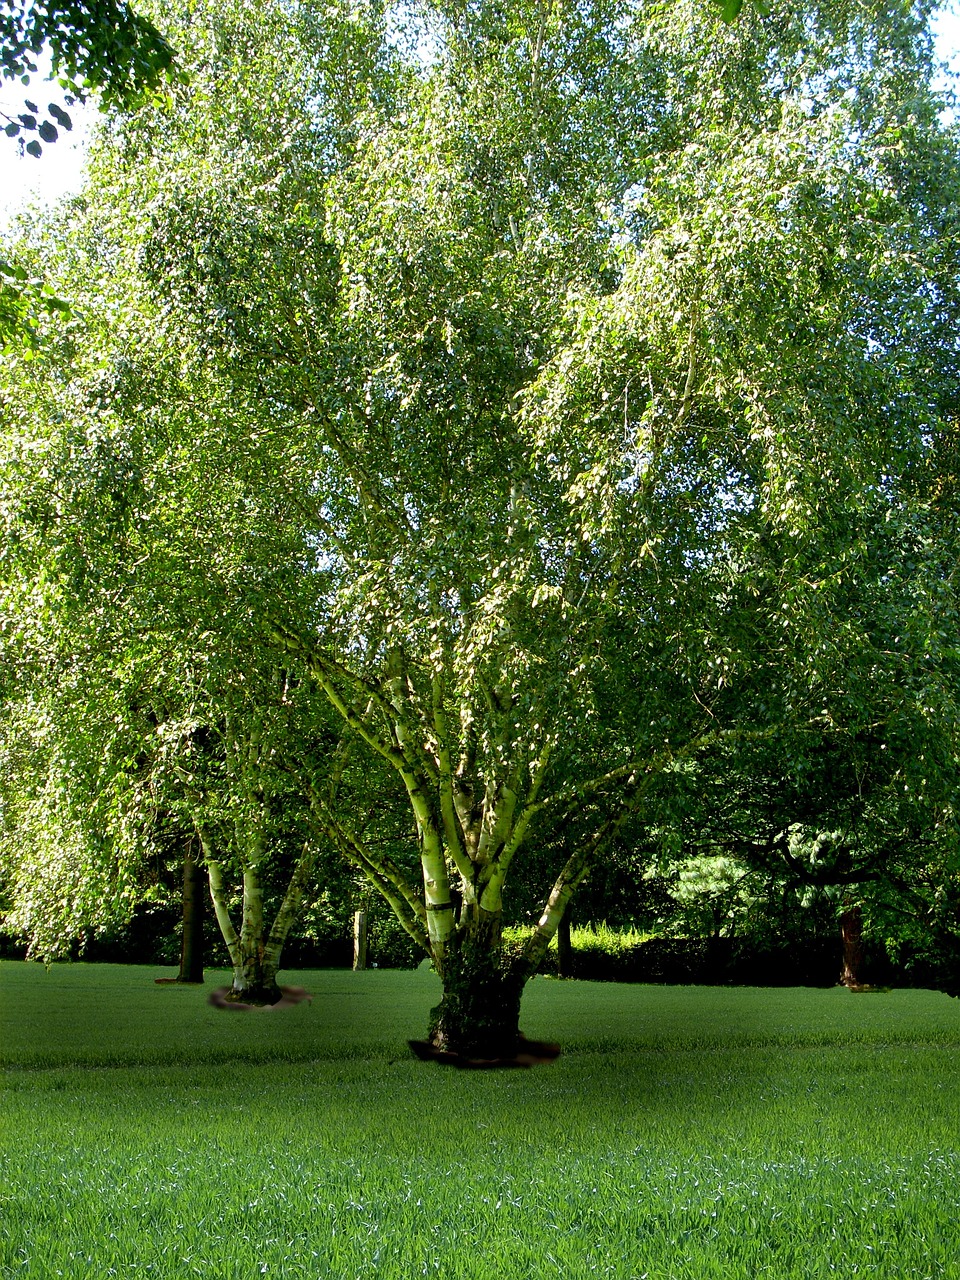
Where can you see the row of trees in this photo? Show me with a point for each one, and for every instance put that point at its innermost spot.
(712, 918)
(486, 436)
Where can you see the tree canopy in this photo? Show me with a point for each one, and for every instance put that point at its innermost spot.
(103, 47)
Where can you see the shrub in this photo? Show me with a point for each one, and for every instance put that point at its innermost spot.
(602, 954)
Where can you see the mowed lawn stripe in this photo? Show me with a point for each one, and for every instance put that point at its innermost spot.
(753, 1138)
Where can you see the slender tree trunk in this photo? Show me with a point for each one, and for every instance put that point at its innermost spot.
(191, 942)
(289, 910)
(851, 931)
(360, 940)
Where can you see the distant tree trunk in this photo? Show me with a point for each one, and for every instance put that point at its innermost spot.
(564, 947)
(851, 931)
(191, 942)
(255, 952)
(713, 960)
(360, 940)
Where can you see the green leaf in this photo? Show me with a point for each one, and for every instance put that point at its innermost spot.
(48, 132)
(61, 117)
(34, 148)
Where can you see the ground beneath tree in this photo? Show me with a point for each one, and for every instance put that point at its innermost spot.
(530, 1053)
(220, 999)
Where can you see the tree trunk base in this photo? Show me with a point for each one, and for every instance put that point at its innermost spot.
(477, 1022)
(477, 1018)
(528, 1053)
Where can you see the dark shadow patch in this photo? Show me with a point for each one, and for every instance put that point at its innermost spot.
(291, 996)
(530, 1053)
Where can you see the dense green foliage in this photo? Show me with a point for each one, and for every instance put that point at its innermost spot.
(684, 1133)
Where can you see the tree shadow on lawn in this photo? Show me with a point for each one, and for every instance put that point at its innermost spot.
(220, 999)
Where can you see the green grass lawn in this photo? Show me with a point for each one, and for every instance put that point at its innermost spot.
(685, 1132)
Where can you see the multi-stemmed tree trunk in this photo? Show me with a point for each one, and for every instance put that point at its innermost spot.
(256, 947)
(245, 813)
(470, 829)
(238, 849)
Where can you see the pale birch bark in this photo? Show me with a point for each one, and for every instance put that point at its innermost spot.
(251, 930)
(289, 909)
(218, 896)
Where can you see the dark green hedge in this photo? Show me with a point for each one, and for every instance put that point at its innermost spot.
(710, 962)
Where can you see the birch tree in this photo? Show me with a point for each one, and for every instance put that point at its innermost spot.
(231, 774)
(100, 755)
(537, 398)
